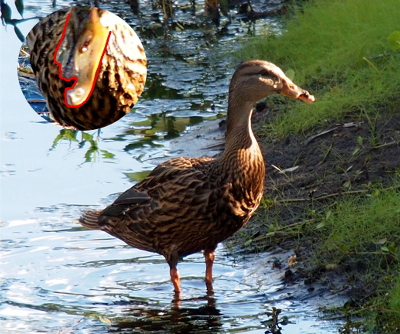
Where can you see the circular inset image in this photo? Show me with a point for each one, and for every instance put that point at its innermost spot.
(89, 65)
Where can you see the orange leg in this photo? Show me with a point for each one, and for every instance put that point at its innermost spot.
(209, 256)
(175, 279)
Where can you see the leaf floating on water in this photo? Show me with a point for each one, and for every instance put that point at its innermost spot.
(137, 176)
(105, 320)
(107, 155)
(20, 35)
(86, 136)
(19, 4)
(5, 12)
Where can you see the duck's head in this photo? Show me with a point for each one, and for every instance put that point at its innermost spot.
(89, 33)
(80, 50)
(256, 79)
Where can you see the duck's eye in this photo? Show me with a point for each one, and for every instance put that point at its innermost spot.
(265, 73)
(85, 45)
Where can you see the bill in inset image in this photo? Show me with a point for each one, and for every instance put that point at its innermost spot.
(89, 65)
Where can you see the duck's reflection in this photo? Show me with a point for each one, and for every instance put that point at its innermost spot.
(209, 298)
(202, 318)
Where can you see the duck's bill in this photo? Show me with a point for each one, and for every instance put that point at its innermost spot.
(88, 56)
(289, 89)
(80, 55)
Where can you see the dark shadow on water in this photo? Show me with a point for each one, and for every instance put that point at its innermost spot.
(206, 318)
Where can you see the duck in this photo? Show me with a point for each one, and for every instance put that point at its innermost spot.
(188, 205)
(89, 64)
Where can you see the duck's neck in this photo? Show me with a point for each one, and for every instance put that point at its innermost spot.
(242, 159)
(242, 154)
(239, 134)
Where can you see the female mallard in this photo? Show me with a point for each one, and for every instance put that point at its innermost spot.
(89, 64)
(186, 205)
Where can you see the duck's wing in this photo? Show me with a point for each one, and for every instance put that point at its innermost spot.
(177, 181)
(171, 203)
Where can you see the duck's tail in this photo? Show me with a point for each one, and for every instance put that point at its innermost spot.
(90, 219)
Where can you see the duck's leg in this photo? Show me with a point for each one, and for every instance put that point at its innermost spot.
(175, 279)
(172, 260)
(209, 255)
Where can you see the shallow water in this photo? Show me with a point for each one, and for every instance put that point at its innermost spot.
(57, 277)
(62, 277)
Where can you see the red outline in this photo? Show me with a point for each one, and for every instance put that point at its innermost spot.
(76, 78)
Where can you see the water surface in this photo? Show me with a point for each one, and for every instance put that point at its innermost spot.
(57, 277)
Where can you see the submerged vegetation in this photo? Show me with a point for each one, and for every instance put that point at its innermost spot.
(335, 197)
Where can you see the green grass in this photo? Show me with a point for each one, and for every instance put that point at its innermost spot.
(364, 233)
(339, 51)
(365, 224)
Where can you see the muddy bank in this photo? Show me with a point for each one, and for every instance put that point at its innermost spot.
(307, 174)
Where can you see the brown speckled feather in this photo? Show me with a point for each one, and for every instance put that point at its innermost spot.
(185, 197)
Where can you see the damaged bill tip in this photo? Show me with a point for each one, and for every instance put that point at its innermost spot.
(307, 97)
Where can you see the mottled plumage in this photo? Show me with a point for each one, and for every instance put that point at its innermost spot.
(121, 76)
(186, 205)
